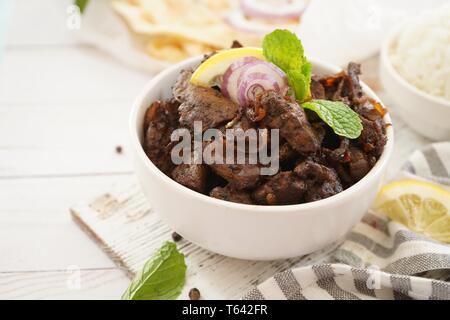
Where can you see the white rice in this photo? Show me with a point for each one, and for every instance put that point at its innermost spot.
(421, 53)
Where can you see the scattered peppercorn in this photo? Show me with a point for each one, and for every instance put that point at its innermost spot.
(119, 149)
(236, 44)
(194, 294)
(176, 237)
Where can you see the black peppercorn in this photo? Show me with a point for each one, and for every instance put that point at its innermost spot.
(194, 294)
(176, 237)
(119, 149)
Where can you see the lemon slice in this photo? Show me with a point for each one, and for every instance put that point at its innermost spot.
(210, 71)
(423, 207)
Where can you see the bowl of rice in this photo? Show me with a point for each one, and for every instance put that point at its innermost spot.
(415, 72)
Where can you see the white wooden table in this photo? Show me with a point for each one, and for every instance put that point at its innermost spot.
(63, 110)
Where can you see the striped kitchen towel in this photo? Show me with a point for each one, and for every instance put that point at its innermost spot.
(431, 163)
(379, 259)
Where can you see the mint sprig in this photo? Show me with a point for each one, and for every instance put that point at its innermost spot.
(162, 277)
(340, 117)
(284, 49)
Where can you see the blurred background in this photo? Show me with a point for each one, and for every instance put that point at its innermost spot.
(68, 77)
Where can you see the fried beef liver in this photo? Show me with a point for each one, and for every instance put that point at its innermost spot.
(322, 182)
(359, 165)
(202, 104)
(344, 86)
(240, 176)
(317, 89)
(373, 137)
(286, 153)
(192, 176)
(354, 71)
(340, 154)
(228, 193)
(159, 122)
(291, 119)
(315, 162)
(285, 188)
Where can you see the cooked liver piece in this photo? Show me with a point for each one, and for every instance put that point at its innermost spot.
(291, 119)
(354, 71)
(202, 104)
(322, 182)
(315, 163)
(230, 194)
(159, 122)
(282, 189)
(240, 176)
(286, 153)
(359, 165)
(373, 137)
(192, 176)
(181, 85)
(317, 89)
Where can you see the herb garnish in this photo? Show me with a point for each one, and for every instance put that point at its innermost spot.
(343, 120)
(162, 277)
(284, 49)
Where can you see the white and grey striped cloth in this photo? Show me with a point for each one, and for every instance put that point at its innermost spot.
(379, 259)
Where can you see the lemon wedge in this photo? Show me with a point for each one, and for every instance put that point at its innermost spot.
(209, 72)
(423, 207)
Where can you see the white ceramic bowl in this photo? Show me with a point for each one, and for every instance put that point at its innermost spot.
(427, 114)
(248, 231)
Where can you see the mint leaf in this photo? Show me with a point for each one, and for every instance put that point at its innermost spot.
(162, 277)
(81, 4)
(339, 116)
(284, 49)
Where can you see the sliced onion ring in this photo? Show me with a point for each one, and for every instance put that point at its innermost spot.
(248, 77)
(231, 77)
(270, 9)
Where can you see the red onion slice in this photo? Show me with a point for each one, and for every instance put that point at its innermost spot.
(248, 77)
(273, 9)
(231, 77)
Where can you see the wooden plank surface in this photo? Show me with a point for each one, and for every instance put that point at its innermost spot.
(63, 109)
(39, 23)
(62, 104)
(70, 138)
(58, 74)
(63, 284)
(36, 230)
